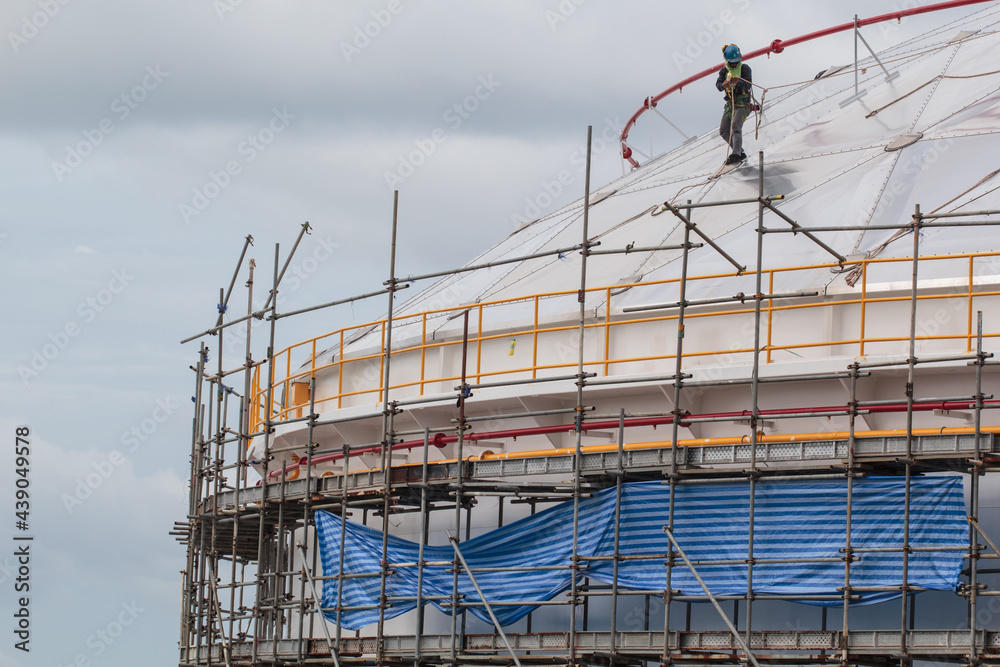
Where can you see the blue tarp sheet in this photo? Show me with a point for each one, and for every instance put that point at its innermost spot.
(792, 520)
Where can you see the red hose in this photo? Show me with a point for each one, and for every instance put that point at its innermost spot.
(777, 46)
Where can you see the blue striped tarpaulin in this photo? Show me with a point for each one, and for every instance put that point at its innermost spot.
(802, 520)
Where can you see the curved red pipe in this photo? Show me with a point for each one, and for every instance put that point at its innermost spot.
(441, 440)
(777, 46)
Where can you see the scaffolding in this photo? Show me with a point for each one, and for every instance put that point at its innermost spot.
(251, 584)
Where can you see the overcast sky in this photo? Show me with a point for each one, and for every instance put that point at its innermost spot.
(142, 141)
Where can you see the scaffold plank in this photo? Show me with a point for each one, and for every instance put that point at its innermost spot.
(804, 644)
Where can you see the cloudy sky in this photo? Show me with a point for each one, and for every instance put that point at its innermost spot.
(142, 141)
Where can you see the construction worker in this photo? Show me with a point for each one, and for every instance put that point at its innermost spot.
(734, 81)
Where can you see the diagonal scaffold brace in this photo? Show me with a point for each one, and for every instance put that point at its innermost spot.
(715, 603)
(227, 648)
(489, 609)
(740, 268)
(319, 607)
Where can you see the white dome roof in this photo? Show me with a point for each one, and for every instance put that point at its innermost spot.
(830, 158)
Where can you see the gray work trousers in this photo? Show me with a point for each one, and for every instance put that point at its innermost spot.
(735, 122)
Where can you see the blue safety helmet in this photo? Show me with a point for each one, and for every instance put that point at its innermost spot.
(732, 54)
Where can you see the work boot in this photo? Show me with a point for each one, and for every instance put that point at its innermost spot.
(734, 159)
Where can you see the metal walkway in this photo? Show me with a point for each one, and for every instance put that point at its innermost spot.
(943, 451)
(716, 647)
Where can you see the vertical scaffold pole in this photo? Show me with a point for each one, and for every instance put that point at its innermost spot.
(755, 391)
(668, 592)
(463, 392)
(307, 520)
(910, 372)
(619, 479)
(278, 577)
(243, 448)
(848, 549)
(190, 575)
(243, 444)
(424, 520)
(388, 412)
(974, 473)
(205, 429)
(258, 621)
(345, 476)
(580, 382)
(215, 466)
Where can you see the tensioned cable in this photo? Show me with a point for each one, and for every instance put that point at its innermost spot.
(758, 121)
(854, 273)
(939, 77)
(982, 15)
(863, 70)
(806, 83)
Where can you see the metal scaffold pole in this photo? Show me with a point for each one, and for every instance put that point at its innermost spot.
(307, 521)
(260, 621)
(975, 470)
(911, 362)
(851, 473)
(306, 468)
(578, 422)
(755, 394)
(619, 481)
(388, 439)
(424, 520)
(678, 378)
(459, 489)
(242, 449)
(192, 634)
(341, 554)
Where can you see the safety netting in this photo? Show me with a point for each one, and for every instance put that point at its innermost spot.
(801, 523)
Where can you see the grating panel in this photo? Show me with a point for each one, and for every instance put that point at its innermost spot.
(535, 466)
(926, 639)
(960, 446)
(827, 640)
(489, 468)
(944, 643)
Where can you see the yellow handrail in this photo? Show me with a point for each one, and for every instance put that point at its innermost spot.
(282, 402)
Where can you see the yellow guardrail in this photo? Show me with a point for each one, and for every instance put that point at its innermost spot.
(286, 398)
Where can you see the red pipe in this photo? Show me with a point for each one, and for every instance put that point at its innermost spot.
(777, 46)
(440, 439)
